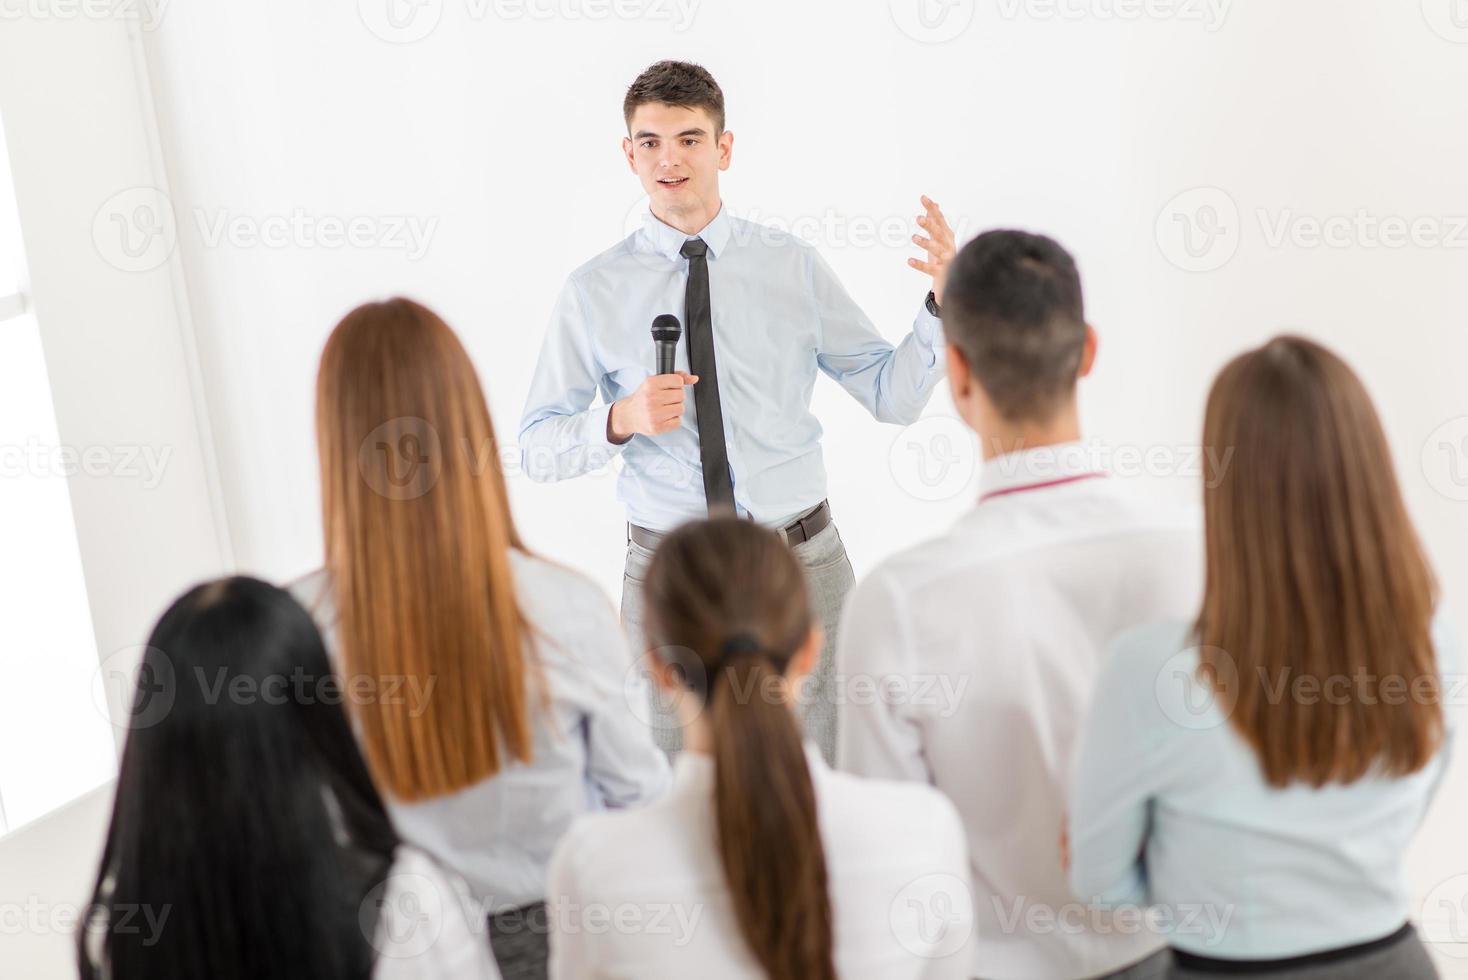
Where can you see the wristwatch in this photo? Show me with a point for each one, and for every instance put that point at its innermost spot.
(932, 304)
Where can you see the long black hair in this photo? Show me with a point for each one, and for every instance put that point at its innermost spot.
(246, 833)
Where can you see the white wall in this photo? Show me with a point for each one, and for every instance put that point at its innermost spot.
(501, 124)
(499, 129)
(117, 344)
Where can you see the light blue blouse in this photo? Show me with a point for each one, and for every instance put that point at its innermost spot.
(1170, 808)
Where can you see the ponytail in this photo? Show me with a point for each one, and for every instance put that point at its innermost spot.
(769, 838)
(733, 596)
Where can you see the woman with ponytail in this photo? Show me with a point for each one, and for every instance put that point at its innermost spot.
(760, 861)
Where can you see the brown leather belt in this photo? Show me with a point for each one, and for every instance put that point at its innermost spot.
(802, 529)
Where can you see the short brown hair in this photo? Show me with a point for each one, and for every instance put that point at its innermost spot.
(1012, 308)
(679, 83)
(1314, 572)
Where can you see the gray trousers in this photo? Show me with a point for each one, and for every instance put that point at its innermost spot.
(1404, 959)
(828, 577)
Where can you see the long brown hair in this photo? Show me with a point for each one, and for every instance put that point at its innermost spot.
(418, 534)
(1314, 571)
(727, 603)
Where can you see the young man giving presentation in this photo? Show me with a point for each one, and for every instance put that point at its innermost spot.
(760, 312)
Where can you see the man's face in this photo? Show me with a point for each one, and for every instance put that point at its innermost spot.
(677, 156)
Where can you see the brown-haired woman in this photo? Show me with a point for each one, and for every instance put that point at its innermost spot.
(486, 685)
(1259, 772)
(760, 861)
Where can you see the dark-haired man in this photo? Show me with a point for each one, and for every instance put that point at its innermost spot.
(761, 313)
(988, 638)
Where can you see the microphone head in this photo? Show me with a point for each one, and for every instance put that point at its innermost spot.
(665, 326)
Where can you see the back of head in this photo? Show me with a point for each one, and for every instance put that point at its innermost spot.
(1314, 571)
(727, 604)
(245, 824)
(418, 535)
(1012, 307)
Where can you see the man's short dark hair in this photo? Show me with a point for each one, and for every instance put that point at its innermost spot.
(1012, 307)
(679, 83)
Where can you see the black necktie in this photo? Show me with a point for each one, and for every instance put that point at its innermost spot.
(718, 485)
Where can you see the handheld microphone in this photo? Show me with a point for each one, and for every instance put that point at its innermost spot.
(665, 333)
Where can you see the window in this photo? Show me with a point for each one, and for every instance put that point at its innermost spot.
(56, 743)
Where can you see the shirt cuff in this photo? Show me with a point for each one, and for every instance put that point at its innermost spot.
(928, 329)
(596, 436)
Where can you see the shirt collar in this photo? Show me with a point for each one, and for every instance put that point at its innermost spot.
(668, 241)
(1034, 469)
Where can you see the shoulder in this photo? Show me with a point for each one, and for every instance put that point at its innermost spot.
(557, 597)
(427, 925)
(926, 813)
(603, 264)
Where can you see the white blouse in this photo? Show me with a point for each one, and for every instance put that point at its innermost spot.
(428, 926)
(590, 750)
(642, 893)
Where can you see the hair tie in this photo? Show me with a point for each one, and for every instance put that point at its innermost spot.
(738, 644)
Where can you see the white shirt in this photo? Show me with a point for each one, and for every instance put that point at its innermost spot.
(989, 640)
(428, 925)
(779, 315)
(642, 894)
(590, 751)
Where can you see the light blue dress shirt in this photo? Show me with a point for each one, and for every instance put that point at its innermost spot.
(779, 313)
(1169, 808)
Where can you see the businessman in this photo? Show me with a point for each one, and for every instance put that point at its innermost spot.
(761, 312)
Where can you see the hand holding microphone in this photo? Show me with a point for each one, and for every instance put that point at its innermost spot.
(657, 404)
